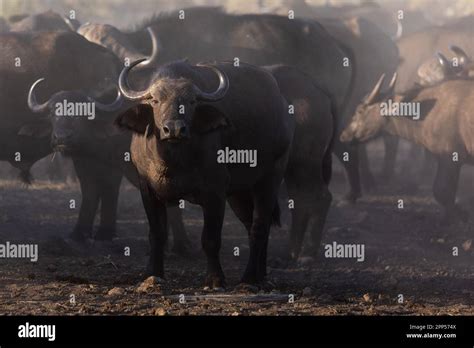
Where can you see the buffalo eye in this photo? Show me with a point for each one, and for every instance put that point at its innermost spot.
(154, 102)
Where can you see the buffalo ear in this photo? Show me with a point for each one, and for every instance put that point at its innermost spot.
(136, 119)
(37, 129)
(208, 118)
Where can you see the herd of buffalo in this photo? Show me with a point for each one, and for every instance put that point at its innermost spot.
(157, 104)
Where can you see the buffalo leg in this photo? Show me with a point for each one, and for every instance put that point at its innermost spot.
(299, 225)
(181, 243)
(156, 213)
(319, 214)
(428, 165)
(85, 171)
(445, 188)
(242, 206)
(109, 193)
(213, 210)
(368, 179)
(391, 149)
(351, 167)
(311, 203)
(265, 197)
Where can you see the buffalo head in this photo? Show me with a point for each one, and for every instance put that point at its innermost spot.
(172, 108)
(75, 116)
(466, 64)
(367, 120)
(440, 68)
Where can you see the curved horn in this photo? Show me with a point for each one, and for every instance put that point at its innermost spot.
(460, 54)
(155, 48)
(114, 106)
(32, 103)
(399, 32)
(391, 85)
(375, 91)
(444, 62)
(69, 23)
(83, 26)
(125, 89)
(221, 90)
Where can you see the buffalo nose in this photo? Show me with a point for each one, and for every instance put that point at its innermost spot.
(60, 140)
(174, 129)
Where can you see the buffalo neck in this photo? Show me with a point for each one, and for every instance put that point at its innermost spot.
(177, 155)
(404, 127)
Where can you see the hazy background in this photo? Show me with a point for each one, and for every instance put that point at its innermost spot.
(125, 13)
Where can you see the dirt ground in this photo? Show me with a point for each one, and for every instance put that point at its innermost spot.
(408, 252)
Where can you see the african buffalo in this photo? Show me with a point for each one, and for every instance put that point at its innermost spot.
(309, 169)
(440, 69)
(118, 42)
(420, 47)
(443, 126)
(56, 56)
(45, 21)
(372, 53)
(207, 147)
(393, 23)
(307, 179)
(382, 18)
(84, 140)
(98, 150)
(208, 34)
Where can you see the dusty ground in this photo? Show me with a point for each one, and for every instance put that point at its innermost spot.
(407, 252)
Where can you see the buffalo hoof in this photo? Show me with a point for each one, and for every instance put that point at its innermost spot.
(153, 271)
(216, 289)
(79, 236)
(247, 288)
(182, 248)
(350, 198)
(105, 234)
(278, 262)
(252, 278)
(214, 282)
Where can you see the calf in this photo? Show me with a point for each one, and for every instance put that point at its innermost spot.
(444, 126)
(186, 143)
